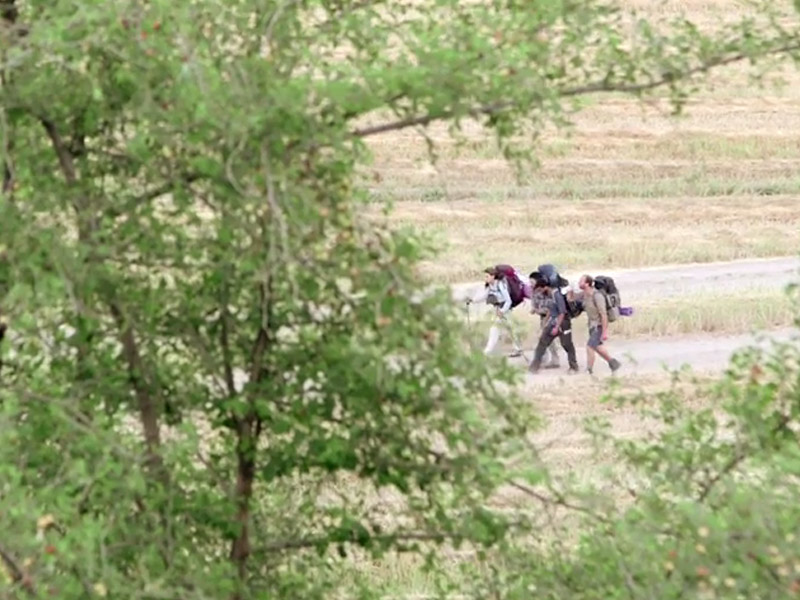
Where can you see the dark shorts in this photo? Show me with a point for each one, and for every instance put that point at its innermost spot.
(595, 337)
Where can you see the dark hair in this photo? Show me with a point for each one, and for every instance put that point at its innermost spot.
(589, 279)
(535, 275)
(494, 272)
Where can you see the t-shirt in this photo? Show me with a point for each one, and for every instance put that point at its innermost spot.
(541, 303)
(595, 306)
(556, 306)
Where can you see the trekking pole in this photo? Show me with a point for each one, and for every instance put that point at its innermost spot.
(517, 343)
(470, 341)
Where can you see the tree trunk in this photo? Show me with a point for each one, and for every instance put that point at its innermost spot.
(245, 474)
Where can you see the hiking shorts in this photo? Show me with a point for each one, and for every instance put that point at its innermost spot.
(595, 337)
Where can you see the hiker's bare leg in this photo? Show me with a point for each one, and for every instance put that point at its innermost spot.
(595, 346)
(517, 349)
(494, 337)
(601, 350)
(590, 356)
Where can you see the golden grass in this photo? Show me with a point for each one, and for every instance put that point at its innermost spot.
(630, 186)
(602, 233)
(629, 145)
(707, 313)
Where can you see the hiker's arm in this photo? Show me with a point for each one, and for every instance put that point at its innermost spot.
(480, 296)
(561, 306)
(506, 297)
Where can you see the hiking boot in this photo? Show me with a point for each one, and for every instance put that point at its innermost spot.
(552, 365)
(533, 369)
(614, 365)
(573, 371)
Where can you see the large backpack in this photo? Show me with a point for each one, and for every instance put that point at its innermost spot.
(551, 276)
(574, 305)
(517, 289)
(608, 288)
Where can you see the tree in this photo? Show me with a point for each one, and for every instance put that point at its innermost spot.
(219, 379)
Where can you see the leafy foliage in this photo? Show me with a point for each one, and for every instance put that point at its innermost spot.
(219, 378)
(705, 503)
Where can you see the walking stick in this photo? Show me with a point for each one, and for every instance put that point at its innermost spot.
(469, 326)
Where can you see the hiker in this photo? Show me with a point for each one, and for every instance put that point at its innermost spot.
(541, 306)
(558, 325)
(596, 307)
(497, 292)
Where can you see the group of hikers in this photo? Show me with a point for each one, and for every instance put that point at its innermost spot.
(557, 305)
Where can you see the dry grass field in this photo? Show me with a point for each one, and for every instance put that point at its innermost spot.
(625, 189)
(629, 186)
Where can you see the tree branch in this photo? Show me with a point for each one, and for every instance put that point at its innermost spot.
(559, 500)
(8, 149)
(487, 109)
(248, 430)
(224, 335)
(150, 195)
(61, 150)
(734, 461)
(592, 88)
(305, 543)
(148, 411)
(670, 77)
(9, 13)
(18, 576)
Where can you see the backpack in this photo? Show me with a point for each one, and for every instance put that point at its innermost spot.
(608, 288)
(551, 276)
(517, 289)
(574, 305)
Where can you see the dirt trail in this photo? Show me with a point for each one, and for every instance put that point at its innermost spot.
(642, 357)
(706, 352)
(564, 403)
(563, 399)
(678, 280)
